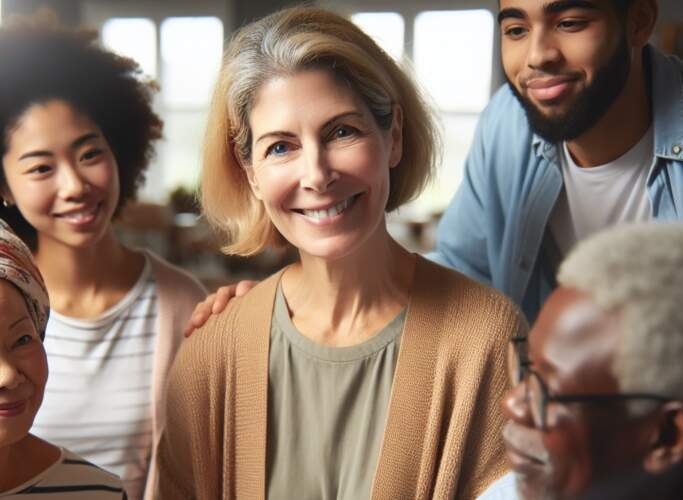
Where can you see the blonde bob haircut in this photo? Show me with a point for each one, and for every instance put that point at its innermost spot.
(281, 44)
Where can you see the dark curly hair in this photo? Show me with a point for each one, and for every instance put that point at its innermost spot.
(40, 61)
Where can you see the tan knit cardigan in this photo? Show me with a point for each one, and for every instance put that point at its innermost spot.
(442, 436)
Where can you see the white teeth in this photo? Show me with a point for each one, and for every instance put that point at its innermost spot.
(80, 216)
(330, 212)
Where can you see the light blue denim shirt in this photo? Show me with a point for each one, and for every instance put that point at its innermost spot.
(495, 224)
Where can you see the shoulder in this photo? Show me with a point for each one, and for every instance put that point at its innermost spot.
(465, 307)
(170, 278)
(75, 476)
(244, 317)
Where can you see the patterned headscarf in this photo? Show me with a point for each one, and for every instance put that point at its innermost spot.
(17, 267)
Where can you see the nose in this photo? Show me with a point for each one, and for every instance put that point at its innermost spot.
(318, 175)
(72, 185)
(516, 405)
(543, 51)
(10, 376)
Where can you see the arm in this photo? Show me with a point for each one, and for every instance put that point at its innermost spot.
(493, 463)
(188, 456)
(461, 237)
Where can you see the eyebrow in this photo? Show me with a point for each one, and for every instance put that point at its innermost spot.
(281, 133)
(23, 318)
(76, 144)
(549, 8)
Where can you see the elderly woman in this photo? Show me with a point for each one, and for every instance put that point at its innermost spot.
(362, 370)
(31, 466)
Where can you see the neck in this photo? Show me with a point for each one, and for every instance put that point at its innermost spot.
(347, 300)
(621, 127)
(23, 460)
(85, 281)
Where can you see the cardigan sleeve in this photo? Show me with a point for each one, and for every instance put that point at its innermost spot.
(492, 462)
(190, 451)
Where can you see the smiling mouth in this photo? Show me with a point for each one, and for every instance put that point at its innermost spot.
(81, 216)
(333, 211)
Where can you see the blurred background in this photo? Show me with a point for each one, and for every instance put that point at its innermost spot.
(450, 46)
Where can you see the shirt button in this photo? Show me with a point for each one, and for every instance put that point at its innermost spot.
(676, 149)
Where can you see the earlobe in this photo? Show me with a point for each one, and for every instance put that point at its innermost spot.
(396, 136)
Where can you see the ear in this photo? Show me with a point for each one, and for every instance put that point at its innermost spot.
(249, 171)
(667, 449)
(396, 136)
(642, 16)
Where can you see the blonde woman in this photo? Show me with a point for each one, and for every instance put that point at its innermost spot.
(362, 370)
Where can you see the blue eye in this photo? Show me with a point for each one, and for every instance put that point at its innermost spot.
(278, 149)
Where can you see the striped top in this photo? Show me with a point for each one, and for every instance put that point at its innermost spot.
(98, 397)
(70, 478)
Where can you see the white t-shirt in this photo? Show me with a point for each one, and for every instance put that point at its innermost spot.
(98, 399)
(69, 478)
(599, 197)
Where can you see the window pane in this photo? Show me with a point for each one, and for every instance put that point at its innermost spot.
(386, 28)
(191, 49)
(135, 38)
(453, 57)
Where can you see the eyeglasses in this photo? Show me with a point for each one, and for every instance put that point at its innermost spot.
(536, 391)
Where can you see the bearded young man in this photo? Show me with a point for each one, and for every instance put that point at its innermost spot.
(586, 134)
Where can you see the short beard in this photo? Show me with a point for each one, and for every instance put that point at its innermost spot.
(589, 106)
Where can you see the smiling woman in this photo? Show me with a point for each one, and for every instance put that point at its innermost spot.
(362, 370)
(78, 130)
(31, 466)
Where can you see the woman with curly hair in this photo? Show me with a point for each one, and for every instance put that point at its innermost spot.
(78, 131)
(361, 371)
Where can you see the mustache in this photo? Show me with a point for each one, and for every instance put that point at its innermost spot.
(526, 440)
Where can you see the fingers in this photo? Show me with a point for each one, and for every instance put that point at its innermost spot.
(244, 286)
(200, 315)
(222, 297)
(215, 303)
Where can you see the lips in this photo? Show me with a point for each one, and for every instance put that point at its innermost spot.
(12, 409)
(81, 216)
(549, 89)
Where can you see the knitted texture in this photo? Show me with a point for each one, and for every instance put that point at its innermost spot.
(442, 436)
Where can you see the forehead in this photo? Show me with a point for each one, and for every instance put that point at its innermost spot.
(54, 119)
(573, 334)
(307, 94)
(12, 305)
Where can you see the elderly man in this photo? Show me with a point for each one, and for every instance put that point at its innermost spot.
(597, 407)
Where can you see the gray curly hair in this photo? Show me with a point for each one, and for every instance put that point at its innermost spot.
(637, 270)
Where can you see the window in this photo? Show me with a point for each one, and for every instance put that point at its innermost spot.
(135, 38)
(191, 50)
(453, 57)
(386, 28)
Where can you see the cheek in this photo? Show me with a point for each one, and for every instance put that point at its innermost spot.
(36, 368)
(571, 459)
(275, 184)
(511, 58)
(31, 198)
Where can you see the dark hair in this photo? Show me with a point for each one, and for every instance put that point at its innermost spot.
(40, 61)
